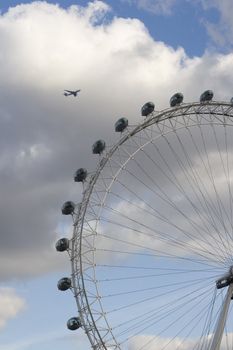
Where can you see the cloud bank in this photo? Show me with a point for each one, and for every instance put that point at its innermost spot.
(45, 137)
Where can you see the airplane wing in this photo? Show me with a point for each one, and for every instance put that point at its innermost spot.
(70, 92)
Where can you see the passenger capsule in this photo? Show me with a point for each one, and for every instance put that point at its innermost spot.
(176, 99)
(222, 283)
(62, 244)
(206, 96)
(231, 101)
(147, 109)
(68, 208)
(80, 175)
(98, 147)
(64, 283)
(121, 124)
(73, 323)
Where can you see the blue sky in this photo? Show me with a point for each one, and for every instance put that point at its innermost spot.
(184, 45)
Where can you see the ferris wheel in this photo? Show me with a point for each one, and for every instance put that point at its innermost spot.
(152, 246)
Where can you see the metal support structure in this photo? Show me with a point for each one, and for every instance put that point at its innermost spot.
(217, 339)
(91, 311)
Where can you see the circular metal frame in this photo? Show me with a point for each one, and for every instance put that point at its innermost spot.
(82, 251)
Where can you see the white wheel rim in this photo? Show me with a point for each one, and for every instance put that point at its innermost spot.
(201, 259)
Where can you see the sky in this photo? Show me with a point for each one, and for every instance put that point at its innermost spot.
(121, 54)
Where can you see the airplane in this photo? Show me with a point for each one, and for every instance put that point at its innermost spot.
(68, 93)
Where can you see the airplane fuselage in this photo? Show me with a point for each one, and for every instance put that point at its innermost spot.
(70, 92)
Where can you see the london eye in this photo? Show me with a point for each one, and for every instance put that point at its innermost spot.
(152, 246)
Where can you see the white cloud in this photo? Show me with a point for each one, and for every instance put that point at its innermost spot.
(152, 341)
(222, 30)
(45, 137)
(10, 305)
(177, 343)
(155, 6)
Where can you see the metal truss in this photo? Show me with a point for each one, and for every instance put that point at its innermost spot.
(82, 252)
